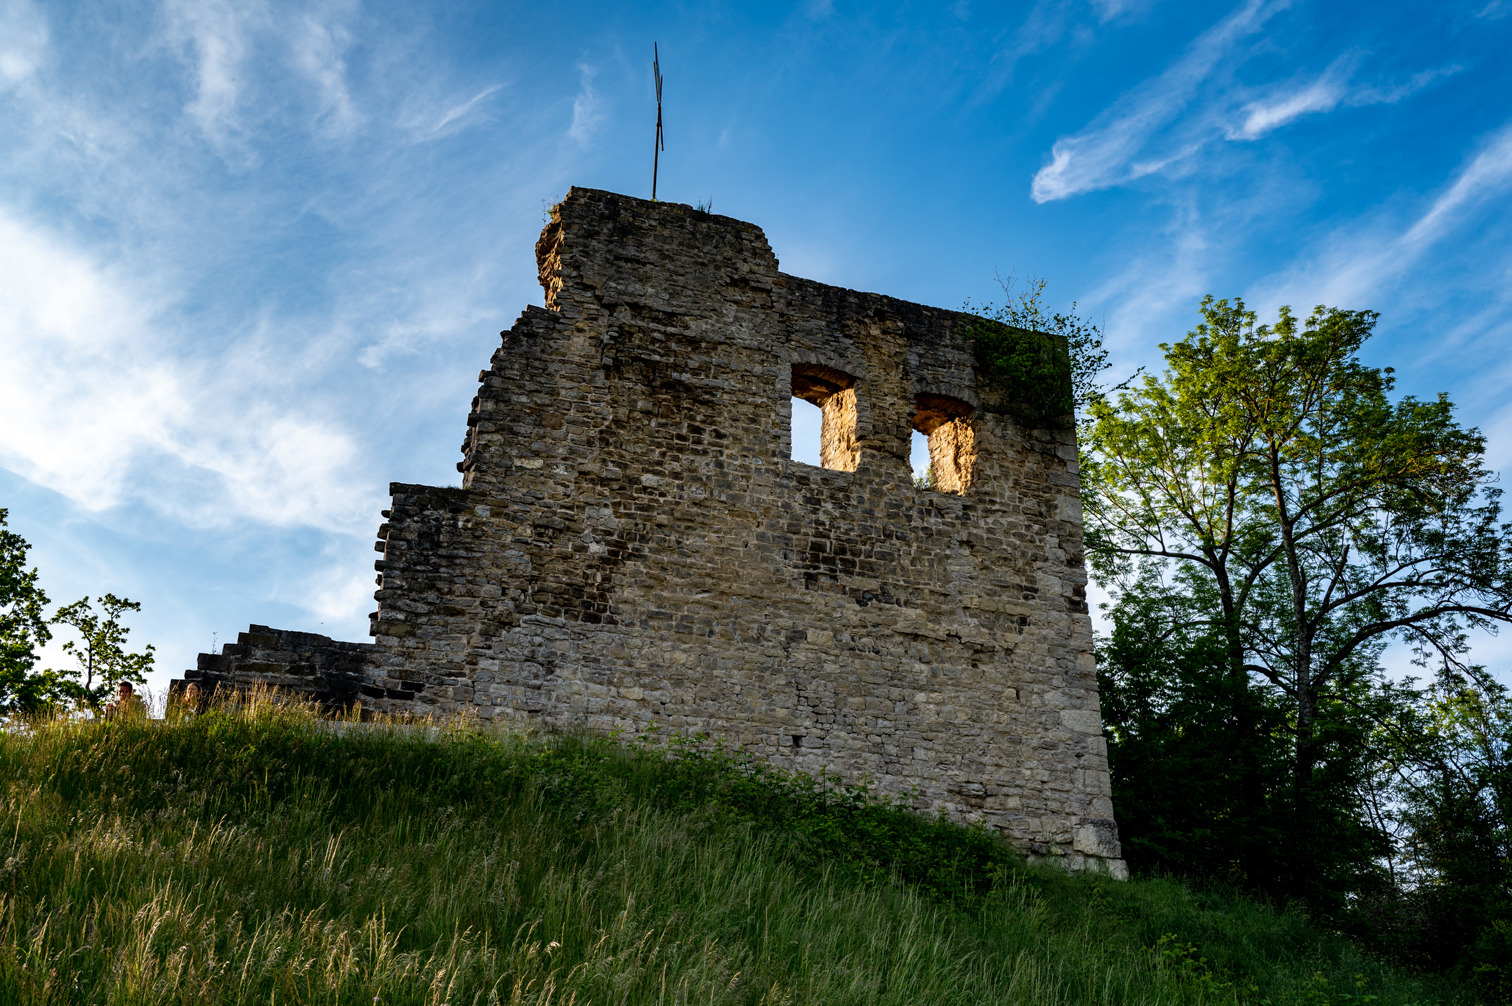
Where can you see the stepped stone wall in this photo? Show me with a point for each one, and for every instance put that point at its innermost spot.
(632, 546)
(332, 672)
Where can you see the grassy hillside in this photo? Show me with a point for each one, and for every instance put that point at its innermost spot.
(262, 855)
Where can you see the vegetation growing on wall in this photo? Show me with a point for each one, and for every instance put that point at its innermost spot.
(1034, 362)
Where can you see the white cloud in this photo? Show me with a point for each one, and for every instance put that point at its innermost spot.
(23, 40)
(1322, 95)
(1150, 130)
(1107, 10)
(455, 116)
(1101, 155)
(1328, 92)
(1488, 172)
(432, 125)
(230, 49)
(212, 35)
(99, 404)
(1390, 95)
(1498, 428)
(340, 592)
(444, 308)
(1044, 25)
(61, 321)
(1362, 260)
(1156, 289)
(586, 113)
(317, 47)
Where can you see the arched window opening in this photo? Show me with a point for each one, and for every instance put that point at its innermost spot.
(834, 392)
(945, 423)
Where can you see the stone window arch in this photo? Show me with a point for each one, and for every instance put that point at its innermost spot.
(834, 391)
(952, 441)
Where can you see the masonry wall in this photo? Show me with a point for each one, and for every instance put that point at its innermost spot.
(334, 673)
(632, 546)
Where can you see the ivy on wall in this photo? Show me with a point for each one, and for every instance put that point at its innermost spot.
(1035, 363)
(1027, 373)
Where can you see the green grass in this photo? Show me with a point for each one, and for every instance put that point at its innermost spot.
(258, 854)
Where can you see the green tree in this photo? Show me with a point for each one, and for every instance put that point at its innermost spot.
(1310, 519)
(1450, 758)
(100, 651)
(23, 624)
(1173, 716)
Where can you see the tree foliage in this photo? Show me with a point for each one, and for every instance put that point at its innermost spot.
(1287, 519)
(1194, 753)
(102, 659)
(1447, 788)
(99, 649)
(23, 623)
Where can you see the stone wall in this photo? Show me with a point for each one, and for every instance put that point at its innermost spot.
(332, 672)
(632, 545)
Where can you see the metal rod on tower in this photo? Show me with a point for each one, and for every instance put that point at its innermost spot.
(660, 143)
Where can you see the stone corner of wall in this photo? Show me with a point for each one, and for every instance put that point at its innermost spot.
(1097, 837)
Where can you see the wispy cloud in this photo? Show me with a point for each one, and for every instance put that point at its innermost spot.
(1047, 25)
(1164, 122)
(1153, 287)
(1324, 94)
(1396, 92)
(230, 49)
(23, 40)
(443, 309)
(587, 116)
(1108, 151)
(434, 111)
(1107, 10)
(1043, 27)
(457, 117)
(1361, 259)
(92, 389)
(212, 36)
(1489, 172)
(318, 45)
(339, 591)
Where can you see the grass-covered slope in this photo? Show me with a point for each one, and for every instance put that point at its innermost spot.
(261, 855)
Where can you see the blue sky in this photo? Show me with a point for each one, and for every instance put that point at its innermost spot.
(253, 254)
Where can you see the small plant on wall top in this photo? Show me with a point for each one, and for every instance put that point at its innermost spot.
(1035, 362)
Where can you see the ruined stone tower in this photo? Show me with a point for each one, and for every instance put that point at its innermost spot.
(632, 545)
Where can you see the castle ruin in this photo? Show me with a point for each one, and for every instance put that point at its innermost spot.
(631, 545)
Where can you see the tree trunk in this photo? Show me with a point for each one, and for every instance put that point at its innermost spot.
(1255, 857)
(1303, 845)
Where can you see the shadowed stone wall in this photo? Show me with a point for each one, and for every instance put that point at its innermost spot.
(632, 545)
